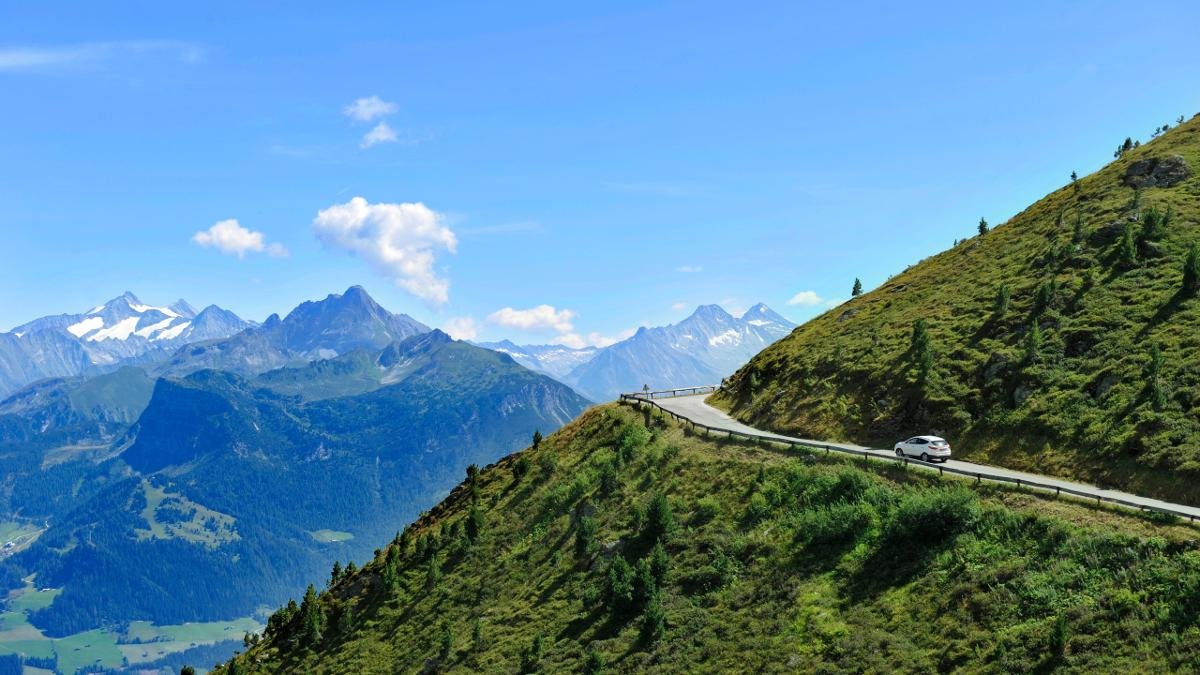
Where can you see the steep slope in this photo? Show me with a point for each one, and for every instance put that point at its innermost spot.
(702, 349)
(122, 330)
(617, 548)
(1106, 388)
(314, 330)
(225, 479)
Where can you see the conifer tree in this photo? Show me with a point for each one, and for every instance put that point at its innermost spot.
(477, 636)
(433, 573)
(660, 564)
(1191, 271)
(1033, 343)
(856, 290)
(335, 575)
(312, 617)
(593, 662)
(537, 439)
(660, 522)
(1077, 234)
(654, 620)
(1127, 249)
(983, 226)
(618, 587)
(585, 537)
(1002, 299)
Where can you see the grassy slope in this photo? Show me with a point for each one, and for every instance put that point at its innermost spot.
(1082, 410)
(777, 563)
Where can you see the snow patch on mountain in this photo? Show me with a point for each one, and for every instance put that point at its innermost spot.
(86, 326)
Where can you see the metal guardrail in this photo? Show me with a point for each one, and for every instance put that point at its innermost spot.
(873, 453)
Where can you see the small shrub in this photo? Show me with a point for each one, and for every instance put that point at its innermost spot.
(660, 522)
(707, 508)
(930, 516)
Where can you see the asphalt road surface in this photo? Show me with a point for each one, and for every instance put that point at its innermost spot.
(695, 409)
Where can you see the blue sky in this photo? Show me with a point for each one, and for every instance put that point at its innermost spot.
(618, 163)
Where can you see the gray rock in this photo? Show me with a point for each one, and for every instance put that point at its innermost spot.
(847, 314)
(1150, 249)
(996, 364)
(1106, 234)
(1158, 172)
(1021, 395)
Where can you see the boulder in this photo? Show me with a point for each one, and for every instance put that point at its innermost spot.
(1158, 172)
(1106, 234)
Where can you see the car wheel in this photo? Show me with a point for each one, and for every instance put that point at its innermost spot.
(924, 456)
(899, 452)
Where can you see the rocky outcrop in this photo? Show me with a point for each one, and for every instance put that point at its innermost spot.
(1157, 172)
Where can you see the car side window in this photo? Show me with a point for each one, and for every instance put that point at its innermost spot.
(912, 441)
(920, 441)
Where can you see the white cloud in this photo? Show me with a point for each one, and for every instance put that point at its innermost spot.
(689, 269)
(368, 108)
(229, 237)
(535, 318)
(398, 240)
(381, 133)
(461, 328)
(679, 306)
(577, 341)
(30, 58)
(806, 299)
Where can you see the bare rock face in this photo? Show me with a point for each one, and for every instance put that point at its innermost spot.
(1158, 172)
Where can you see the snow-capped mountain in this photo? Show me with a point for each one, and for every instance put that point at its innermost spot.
(122, 330)
(553, 360)
(320, 329)
(703, 348)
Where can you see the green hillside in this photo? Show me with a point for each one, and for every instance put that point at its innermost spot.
(616, 547)
(1064, 341)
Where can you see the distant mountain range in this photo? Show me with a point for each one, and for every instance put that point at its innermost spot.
(702, 349)
(121, 331)
(182, 450)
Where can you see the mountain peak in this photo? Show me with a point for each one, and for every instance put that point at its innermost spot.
(711, 312)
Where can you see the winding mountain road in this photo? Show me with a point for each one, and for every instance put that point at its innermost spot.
(692, 408)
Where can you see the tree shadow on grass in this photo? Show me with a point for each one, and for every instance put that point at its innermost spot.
(891, 567)
(1165, 312)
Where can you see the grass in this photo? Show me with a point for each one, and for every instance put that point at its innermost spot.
(777, 562)
(171, 515)
(1080, 406)
(141, 642)
(330, 536)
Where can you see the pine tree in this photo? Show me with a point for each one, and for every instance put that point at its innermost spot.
(1033, 343)
(660, 522)
(585, 537)
(654, 620)
(335, 575)
(643, 583)
(1153, 226)
(537, 438)
(660, 564)
(610, 481)
(312, 617)
(1191, 271)
(433, 573)
(475, 524)
(1002, 299)
(1077, 235)
(1127, 249)
(618, 587)
(856, 290)
(983, 226)
(187, 670)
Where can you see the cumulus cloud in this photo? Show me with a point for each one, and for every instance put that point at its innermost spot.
(368, 108)
(461, 328)
(806, 299)
(541, 317)
(380, 133)
(230, 238)
(689, 269)
(679, 306)
(398, 240)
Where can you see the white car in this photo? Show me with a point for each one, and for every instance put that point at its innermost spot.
(927, 448)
